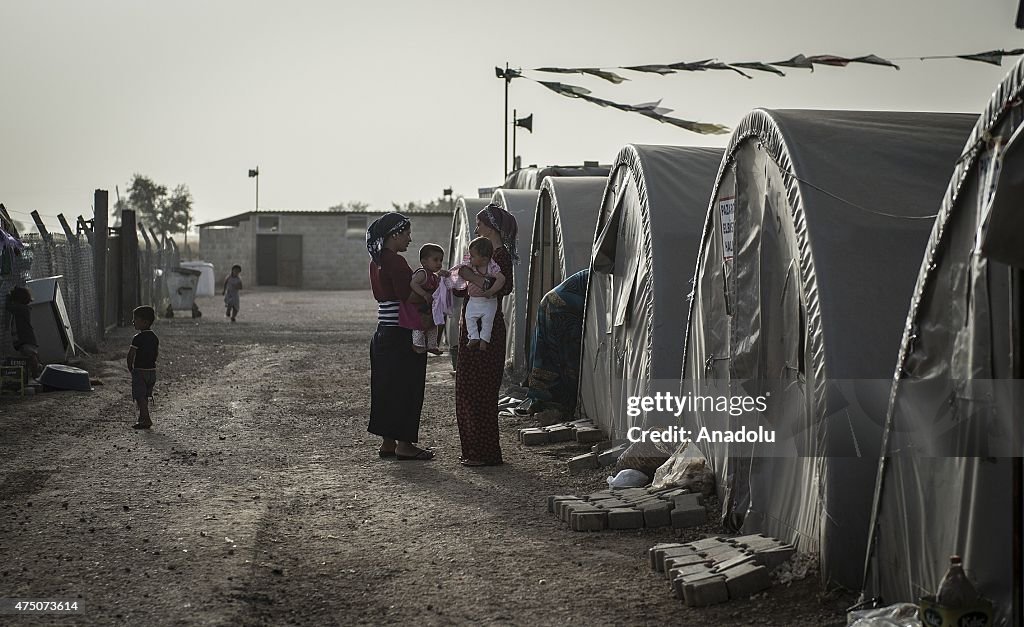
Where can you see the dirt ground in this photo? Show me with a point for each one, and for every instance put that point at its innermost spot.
(258, 498)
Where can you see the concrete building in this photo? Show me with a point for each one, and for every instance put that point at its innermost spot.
(306, 249)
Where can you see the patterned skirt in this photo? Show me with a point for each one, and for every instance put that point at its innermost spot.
(477, 382)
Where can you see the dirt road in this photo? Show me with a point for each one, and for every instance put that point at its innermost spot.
(258, 498)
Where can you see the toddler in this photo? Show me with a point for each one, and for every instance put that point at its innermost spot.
(482, 306)
(418, 312)
(232, 285)
(142, 356)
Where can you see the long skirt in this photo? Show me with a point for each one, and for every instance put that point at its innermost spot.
(554, 374)
(477, 382)
(397, 379)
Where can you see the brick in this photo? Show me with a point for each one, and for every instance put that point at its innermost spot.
(609, 457)
(701, 591)
(739, 560)
(560, 507)
(690, 517)
(559, 497)
(533, 437)
(586, 461)
(677, 575)
(720, 556)
(746, 579)
(622, 518)
(756, 542)
(773, 558)
(688, 500)
(652, 553)
(603, 494)
(602, 446)
(560, 433)
(588, 520)
(612, 504)
(657, 515)
(588, 435)
(685, 560)
(706, 543)
(669, 552)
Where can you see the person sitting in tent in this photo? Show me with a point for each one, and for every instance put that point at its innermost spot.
(23, 335)
(555, 348)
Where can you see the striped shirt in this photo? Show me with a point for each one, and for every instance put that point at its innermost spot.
(387, 313)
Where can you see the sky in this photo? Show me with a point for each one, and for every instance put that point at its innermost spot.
(337, 101)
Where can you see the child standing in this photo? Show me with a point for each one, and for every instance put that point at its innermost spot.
(418, 311)
(232, 285)
(23, 336)
(142, 355)
(482, 306)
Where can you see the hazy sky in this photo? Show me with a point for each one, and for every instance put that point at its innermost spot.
(386, 101)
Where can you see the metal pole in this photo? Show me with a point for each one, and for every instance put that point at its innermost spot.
(514, 139)
(257, 188)
(1017, 365)
(507, 81)
(99, 256)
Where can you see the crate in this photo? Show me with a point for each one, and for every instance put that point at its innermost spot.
(12, 380)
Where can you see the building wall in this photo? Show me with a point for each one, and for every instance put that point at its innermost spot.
(333, 257)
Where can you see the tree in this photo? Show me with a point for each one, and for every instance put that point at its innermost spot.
(355, 206)
(158, 211)
(440, 204)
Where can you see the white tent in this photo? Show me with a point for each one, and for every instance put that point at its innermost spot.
(645, 248)
(563, 234)
(946, 482)
(521, 204)
(812, 239)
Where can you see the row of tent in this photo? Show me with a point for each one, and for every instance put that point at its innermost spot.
(792, 256)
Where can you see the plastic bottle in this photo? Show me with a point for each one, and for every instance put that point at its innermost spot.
(956, 590)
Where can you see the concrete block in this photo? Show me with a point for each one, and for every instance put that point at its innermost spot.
(756, 542)
(629, 493)
(559, 497)
(746, 579)
(604, 445)
(739, 560)
(707, 543)
(560, 507)
(587, 461)
(670, 551)
(657, 515)
(612, 504)
(704, 590)
(622, 518)
(602, 494)
(561, 433)
(773, 558)
(680, 561)
(688, 500)
(609, 457)
(720, 556)
(683, 518)
(657, 552)
(588, 520)
(588, 435)
(676, 576)
(533, 437)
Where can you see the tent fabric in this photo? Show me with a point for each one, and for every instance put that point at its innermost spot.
(533, 177)
(927, 508)
(563, 234)
(521, 204)
(828, 213)
(645, 248)
(463, 226)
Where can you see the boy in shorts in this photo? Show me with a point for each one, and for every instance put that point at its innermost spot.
(142, 355)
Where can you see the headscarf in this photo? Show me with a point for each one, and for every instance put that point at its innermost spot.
(504, 223)
(381, 229)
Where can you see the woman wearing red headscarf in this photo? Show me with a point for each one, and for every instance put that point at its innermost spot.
(478, 377)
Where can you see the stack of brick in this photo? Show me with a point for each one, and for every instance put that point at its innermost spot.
(582, 431)
(629, 508)
(715, 570)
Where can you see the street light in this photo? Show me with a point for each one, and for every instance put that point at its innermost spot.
(255, 174)
(447, 192)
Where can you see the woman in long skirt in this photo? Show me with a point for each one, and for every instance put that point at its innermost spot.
(479, 374)
(397, 373)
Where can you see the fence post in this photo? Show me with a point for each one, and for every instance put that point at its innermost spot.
(146, 279)
(41, 227)
(99, 256)
(83, 227)
(129, 266)
(67, 228)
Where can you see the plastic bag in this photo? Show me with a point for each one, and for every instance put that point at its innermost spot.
(629, 478)
(898, 615)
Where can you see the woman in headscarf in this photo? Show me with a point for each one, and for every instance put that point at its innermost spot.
(397, 373)
(478, 377)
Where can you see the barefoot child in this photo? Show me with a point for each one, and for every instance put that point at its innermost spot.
(482, 306)
(142, 356)
(232, 285)
(424, 283)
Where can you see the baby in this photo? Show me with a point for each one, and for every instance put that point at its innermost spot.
(482, 306)
(424, 284)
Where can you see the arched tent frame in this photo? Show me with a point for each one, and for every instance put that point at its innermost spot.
(563, 227)
(818, 297)
(645, 248)
(960, 325)
(463, 224)
(521, 204)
